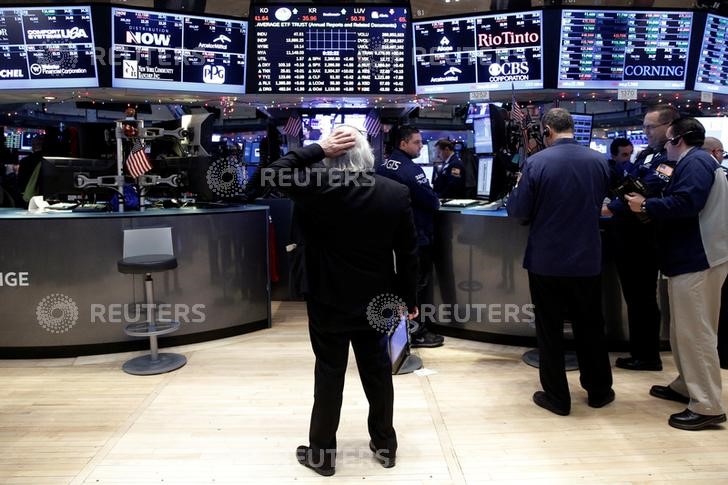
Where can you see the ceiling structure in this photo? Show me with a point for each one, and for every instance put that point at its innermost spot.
(420, 9)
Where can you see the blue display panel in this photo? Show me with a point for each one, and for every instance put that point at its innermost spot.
(582, 128)
(154, 50)
(331, 50)
(47, 47)
(488, 53)
(712, 72)
(611, 49)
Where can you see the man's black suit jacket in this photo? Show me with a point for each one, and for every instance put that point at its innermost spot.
(349, 233)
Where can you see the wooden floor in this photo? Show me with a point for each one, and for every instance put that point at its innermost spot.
(236, 412)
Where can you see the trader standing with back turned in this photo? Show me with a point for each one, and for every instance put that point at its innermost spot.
(354, 226)
(560, 193)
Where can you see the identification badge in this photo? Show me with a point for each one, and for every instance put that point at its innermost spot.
(455, 172)
(664, 169)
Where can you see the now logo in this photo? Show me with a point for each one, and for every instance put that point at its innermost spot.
(147, 38)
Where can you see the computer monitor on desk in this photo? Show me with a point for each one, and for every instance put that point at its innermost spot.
(58, 177)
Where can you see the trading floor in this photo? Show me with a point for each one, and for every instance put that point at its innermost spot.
(236, 412)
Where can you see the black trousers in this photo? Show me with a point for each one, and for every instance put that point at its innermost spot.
(375, 371)
(636, 261)
(580, 297)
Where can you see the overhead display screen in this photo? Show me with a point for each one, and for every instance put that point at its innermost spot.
(713, 62)
(486, 53)
(612, 49)
(43, 48)
(344, 49)
(154, 50)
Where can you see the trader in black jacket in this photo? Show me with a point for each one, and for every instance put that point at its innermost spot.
(351, 221)
(560, 194)
(449, 182)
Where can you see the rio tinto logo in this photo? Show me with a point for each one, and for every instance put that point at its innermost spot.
(508, 39)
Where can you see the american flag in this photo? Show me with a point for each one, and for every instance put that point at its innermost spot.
(372, 125)
(517, 114)
(293, 126)
(137, 163)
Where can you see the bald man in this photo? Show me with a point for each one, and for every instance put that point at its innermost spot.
(714, 146)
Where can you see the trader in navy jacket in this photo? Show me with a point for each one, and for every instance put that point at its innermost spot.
(425, 203)
(692, 237)
(560, 194)
(449, 182)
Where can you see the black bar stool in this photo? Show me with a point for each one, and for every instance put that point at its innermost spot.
(148, 251)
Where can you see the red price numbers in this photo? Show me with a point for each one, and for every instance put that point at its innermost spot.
(357, 18)
(261, 18)
(309, 18)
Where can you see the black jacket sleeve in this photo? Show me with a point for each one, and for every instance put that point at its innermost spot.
(405, 250)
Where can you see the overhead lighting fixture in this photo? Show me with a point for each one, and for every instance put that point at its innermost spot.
(49, 98)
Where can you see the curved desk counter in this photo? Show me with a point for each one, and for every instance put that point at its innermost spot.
(61, 293)
(479, 277)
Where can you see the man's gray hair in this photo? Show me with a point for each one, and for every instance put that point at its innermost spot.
(360, 158)
(712, 143)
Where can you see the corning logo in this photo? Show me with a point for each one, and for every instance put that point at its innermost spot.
(655, 71)
(57, 313)
(56, 34)
(148, 38)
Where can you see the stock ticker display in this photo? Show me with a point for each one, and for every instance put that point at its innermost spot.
(611, 49)
(49, 47)
(485, 53)
(345, 49)
(713, 62)
(154, 50)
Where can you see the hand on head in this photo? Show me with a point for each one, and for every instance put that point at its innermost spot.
(338, 142)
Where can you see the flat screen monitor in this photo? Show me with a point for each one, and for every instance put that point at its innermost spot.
(255, 153)
(177, 52)
(484, 53)
(582, 128)
(424, 158)
(331, 49)
(485, 176)
(612, 49)
(398, 345)
(483, 135)
(13, 139)
(47, 47)
(58, 176)
(716, 127)
(712, 72)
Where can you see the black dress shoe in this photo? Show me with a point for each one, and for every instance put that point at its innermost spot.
(304, 455)
(384, 457)
(693, 421)
(542, 399)
(630, 363)
(600, 400)
(666, 392)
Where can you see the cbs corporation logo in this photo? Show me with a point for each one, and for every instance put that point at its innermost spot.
(57, 313)
(508, 69)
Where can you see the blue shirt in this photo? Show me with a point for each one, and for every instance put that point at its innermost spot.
(425, 203)
(560, 194)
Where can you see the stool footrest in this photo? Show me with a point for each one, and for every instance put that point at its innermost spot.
(145, 365)
(148, 329)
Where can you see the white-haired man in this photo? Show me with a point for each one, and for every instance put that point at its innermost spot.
(351, 221)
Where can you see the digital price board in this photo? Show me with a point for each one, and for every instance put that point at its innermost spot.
(43, 48)
(712, 72)
(612, 49)
(155, 50)
(485, 53)
(331, 50)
